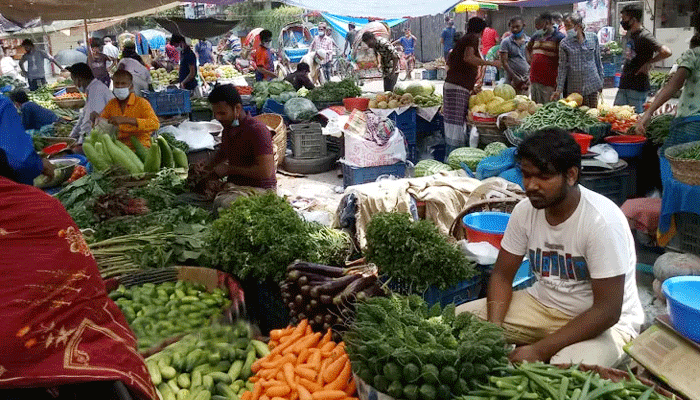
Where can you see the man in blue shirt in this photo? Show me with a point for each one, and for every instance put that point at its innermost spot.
(188, 63)
(18, 146)
(447, 39)
(34, 116)
(408, 43)
(204, 50)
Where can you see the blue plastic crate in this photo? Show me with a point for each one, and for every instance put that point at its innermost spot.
(251, 109)
(524, 278)
(170, 102)
(406, 122)
(430, 127)
(273, 107)
(358, 176)
(610, 69)
(462, 292)
(412, 154)
(430, 74)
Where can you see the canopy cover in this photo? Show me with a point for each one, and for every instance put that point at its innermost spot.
(197, 28)
(386, 9)
(340, 23)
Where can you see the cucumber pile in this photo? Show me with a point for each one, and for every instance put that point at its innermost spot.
(401, 348)
(212, 364)
(158, 312)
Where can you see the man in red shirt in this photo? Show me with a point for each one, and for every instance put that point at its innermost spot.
(489, 38)
(246, 155)
(263, 58)
(543, 51)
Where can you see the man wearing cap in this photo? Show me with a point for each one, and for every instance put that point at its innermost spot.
(97, 96)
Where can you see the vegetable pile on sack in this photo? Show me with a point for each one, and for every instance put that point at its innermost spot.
(213, 363)
(415, 252)
(422, 94)
(158, 312)
(278, 90)
(325, 295)
(334, 92)
(408, 351)
(258, 236)
(543, 381)
(302, 365)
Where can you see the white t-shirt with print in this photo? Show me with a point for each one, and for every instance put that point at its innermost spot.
(595, 242)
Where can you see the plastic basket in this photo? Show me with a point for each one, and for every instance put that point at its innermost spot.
(201, 115)
(273, 107)
(613, 185)
(275, 123)
(170, 102)
(609, 69)
(684, 305)
(308, 140)
(406, 122)
(688, 230)
(357, 175)
(462, 292)
(684, 170)
(430, 74)
(251, 109)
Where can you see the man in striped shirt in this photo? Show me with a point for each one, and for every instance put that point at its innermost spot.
(543, 53)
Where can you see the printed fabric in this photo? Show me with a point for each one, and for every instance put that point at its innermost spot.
(388, 54)
(595, 242)
(580, 67)
(689, 103)
(454, 110)
(59, 327)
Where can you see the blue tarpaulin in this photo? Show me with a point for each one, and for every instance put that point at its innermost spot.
(339, 23)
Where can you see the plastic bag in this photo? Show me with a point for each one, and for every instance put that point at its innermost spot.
(605, 153)
(196, 135)
(300, 109)
(495, 165)
(483, 253)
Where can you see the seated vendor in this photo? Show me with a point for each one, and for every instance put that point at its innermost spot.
(133, 115)
(300, 77)
(62, 337)
(584, 306)
(34, 116)
(246, 155)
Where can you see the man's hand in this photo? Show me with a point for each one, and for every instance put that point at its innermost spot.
(118, 120)
(48, 169)
(497, 64)
(644, 69)
(640, 127)
(555, 95)
(528, 353)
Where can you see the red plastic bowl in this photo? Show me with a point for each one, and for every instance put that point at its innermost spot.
(626, 139)
(583, 140)
(353, 103)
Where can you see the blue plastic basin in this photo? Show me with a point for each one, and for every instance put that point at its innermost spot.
(487, 226)
(683, 300)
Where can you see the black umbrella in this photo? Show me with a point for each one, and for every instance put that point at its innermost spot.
(70, 57)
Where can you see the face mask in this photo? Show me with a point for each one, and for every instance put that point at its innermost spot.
(626, 25)
(121, 93)
(235, 123)
(571, 33)
(267, 44)
(519, 34)
(322, 34)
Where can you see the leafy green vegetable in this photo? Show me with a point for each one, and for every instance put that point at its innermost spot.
(170, 138)
(659, 127)
(335, 91)
(412, 250)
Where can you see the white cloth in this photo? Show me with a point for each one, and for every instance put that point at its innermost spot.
(110, 50)
(98, 95)
(140, 74)
(594, 243)
(9, 67)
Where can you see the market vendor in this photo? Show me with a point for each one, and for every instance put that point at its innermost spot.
(246, 154)
(389, 58)
(133, 62)
(584, 306)
(300, 77)
(133, 115)
(34, 116)
(97, 95)
(63, 338)
(18, 148)
(188, 63)
(34, 72)
(265, 66)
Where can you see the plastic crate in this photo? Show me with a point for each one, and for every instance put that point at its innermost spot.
(251, 109)
(615, 186)
(430, 127)
(430, 74)
(272, 107)
(335, 145)
(308, 141)
(523, 279)
(688, 229)
(412, 153)
(170, 102)
(462, 292)
(201, 115)
(358, 176)
(610, 69)
(406, 122)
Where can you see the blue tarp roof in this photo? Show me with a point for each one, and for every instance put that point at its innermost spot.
(339, 23)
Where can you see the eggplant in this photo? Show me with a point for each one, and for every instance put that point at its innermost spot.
(326, 299)
(314, 292)
(301, 316)
(308, 309)
(325, 270)
(338, 284)
(305, 290)
(328, 318)
(313, 303)
(299, 300)
(326, 327)
(318, 320)
(303, 280)
(355, 287)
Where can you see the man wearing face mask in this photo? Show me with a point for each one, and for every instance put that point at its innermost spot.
(245, 156)
(133, 115)
(512, 53)
(642, 51)
(188, 63)
(97, 96)
(325, 42)
(543, 51)
(580, 69)
(265, 66)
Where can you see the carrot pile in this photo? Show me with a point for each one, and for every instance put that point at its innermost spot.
(302, 365)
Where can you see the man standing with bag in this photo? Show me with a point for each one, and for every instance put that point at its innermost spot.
(639, 57)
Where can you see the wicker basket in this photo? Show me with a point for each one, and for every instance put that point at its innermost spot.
(69, 103)
(279, 140)
(489, 132)
(684, 170)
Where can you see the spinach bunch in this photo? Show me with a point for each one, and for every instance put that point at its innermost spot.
(335, 91)
(415, 252)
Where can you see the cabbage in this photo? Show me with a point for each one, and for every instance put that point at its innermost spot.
(279, 87)
(504, 91)
(430, 167)
(400, 88)
(420, 88)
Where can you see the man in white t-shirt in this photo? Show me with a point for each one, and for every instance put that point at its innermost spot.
(584, 306)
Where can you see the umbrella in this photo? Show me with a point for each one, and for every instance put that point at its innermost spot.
(70, 57)
(470, 6)
(253, 38)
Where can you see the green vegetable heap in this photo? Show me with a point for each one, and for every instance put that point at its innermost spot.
(408, 351)
(277, 90)
(659, 128)
(556, 114)
(213, 363)
(543, 381)
(690, 153)
(333, 92)
(159, 312)
(415, 252)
